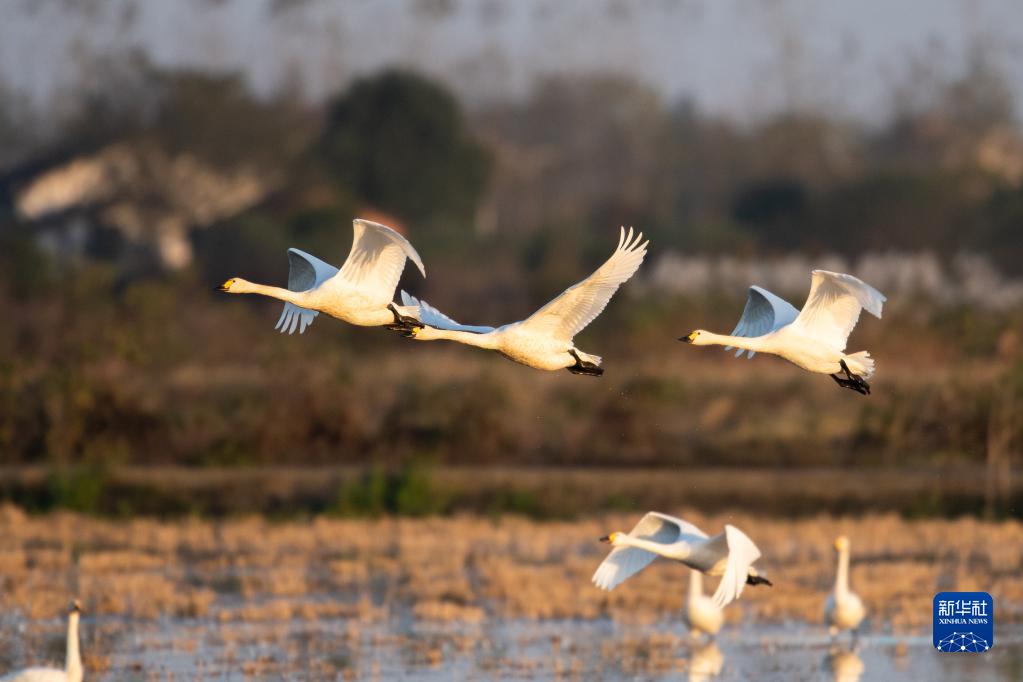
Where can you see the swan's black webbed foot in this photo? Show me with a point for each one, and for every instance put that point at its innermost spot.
(402, 323)
(584, 367)
(758, 580)
(851, 381)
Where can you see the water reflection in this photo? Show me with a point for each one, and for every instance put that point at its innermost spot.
(705, 662)
(843, 664)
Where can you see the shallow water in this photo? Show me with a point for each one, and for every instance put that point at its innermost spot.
(469, 598)
(598, 649)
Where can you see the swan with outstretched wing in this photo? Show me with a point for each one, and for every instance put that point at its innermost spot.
(813, 338)
(360, 292)
(729, 554)
(544, 340)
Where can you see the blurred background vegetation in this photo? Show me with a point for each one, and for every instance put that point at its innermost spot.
(152, 183)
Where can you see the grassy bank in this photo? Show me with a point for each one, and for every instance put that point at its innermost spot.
(536, 492)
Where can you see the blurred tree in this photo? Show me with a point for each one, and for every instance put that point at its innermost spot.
(215, 117)
(1002, 235)
(16, 132)
(774, 210)
(220, 120)
(895, 211)
(576, 145)
(25, 271)
(398, 141)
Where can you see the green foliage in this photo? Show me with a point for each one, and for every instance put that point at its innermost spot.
(408, 491)
(775, 209)
(1002, 228)
(25, 270)
(80, 488)
(399, 142)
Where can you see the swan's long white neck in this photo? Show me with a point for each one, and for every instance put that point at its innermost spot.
(673, 551)
(755, 343)
(299, 298)
(695, 584)
(468, 338)
(73, 665)
(842, 577)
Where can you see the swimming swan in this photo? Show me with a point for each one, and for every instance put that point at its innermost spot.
(729, 554)
(701, 613)
(814, 338)
(359, 293)
(73, 666)
(544, 339)
(843, 610)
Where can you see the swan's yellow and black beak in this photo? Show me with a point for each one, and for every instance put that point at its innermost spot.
(226, 286)
(608, 539)
(688, 339)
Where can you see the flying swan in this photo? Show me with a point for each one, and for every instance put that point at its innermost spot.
(73, 665)
(843, 609)
(729, 554)
(359, 293)
(814, 338)
(544, 339)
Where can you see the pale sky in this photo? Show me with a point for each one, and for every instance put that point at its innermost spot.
(740, 58)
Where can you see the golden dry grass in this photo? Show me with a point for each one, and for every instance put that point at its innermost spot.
(236, 575)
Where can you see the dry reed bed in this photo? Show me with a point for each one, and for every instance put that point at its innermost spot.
(327, 596)
(471, 569)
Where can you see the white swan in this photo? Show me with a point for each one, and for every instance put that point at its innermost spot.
(729, 554)
(544, 339)
(843, 610)
(73, 666)
(814, 338)
(359, 293)
(701, 613)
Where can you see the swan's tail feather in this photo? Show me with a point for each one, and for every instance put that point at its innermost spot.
(860, 364)
(586, 357)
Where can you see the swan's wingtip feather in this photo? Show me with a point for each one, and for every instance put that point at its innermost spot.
(419, 264)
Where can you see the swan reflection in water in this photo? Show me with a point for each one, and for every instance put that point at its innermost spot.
(705, 662)
(844, 665)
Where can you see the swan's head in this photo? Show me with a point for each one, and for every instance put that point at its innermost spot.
(226, 286)
(75, 608)
(420, 332)
(612, 539)
(842, 543)
(236, 285)
(696, 338)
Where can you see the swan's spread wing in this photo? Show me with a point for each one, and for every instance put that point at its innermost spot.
(764, 313)
(833, 307)
(432, 317)
(577, 306)
(624, 562)
(376, 260)
(646, 525)
(741, 555)
(305, 272)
